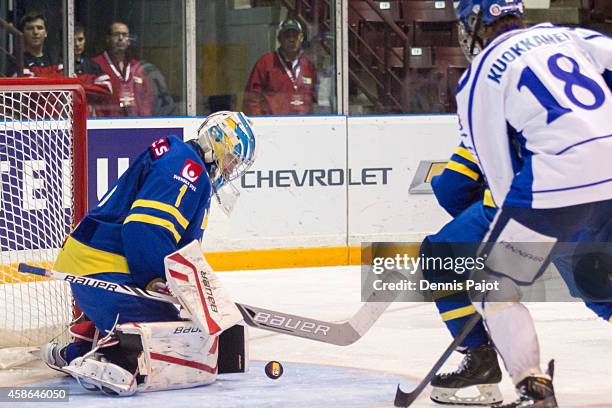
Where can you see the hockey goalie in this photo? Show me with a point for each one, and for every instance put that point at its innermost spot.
(145, 233)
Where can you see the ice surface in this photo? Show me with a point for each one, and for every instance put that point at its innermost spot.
(401, 346)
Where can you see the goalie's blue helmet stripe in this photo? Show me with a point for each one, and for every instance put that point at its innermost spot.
(247, 140)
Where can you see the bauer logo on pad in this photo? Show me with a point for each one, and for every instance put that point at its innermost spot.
(191, 170)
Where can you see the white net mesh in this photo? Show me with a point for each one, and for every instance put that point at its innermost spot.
(36, 212)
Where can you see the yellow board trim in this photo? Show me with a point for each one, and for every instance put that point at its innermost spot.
(167, 208)
(150, 219)
(9, 273)
(465, 153)
(284, 258)
(457, 313)
(463, 169)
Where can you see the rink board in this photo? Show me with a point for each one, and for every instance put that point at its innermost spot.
(321, 185)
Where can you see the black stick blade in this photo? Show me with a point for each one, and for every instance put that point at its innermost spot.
(404, 399)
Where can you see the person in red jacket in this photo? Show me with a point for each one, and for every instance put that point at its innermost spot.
(132, 94)
(96, 83)
(282, 82)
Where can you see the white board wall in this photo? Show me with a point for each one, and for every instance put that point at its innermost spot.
(322, 181)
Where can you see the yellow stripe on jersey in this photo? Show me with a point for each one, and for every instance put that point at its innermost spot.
(205, 220)
(150, 219)
(108, 195)
(458, 313)
(79, 259)
(439, 294)
(167, 208)
(465, 153)
(463, 169)
(488, 199)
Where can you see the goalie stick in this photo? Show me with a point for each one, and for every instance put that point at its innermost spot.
(405, 399)
(339, 334)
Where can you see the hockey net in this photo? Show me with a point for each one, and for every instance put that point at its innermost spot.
(42, 196)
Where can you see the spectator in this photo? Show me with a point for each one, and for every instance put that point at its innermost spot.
(282, 82)
(34, 28)
(96, 82)
(162, 102)
(83, 65)
(131, 88)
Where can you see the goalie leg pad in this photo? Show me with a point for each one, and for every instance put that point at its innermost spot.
(198, 289)
(174, 354)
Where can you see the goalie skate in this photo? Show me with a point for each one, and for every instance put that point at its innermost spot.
(480, 370)
(52, 355)
(96, 374)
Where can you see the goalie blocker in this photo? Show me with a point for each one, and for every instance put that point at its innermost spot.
(197, 288)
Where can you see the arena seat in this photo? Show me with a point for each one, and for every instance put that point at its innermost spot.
(420, 82)
(430, 22)
(603, 8)
(371, 28)
(450, 63)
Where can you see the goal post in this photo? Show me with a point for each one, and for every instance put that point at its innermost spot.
(43, 195)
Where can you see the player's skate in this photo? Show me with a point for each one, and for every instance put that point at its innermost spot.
(95, 372)
(53, 355)
(479, 369)
(535, 392)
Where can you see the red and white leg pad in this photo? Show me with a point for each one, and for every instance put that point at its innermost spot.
(174, 355)
(170, 355)
(192, 280)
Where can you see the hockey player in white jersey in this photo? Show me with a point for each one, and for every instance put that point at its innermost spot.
(543, 95)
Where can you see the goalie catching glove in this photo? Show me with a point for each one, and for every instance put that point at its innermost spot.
(195, 285)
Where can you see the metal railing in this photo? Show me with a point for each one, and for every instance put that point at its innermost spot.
(13, 39)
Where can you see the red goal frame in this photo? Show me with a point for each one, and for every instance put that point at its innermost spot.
(79, 131)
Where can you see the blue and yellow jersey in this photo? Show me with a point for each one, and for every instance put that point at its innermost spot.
(157, 206)
(461, 183)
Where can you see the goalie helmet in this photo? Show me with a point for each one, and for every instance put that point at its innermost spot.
(476, 14)
(228, 142)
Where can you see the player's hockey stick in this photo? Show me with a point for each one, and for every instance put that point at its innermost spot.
(405, 399)
(340, 334)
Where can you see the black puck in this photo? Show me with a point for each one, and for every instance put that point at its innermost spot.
(274, 370)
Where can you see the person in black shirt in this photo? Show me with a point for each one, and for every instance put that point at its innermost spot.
(34, 28)
(83, 65)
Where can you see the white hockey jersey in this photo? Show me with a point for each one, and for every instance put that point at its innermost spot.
(535, 109)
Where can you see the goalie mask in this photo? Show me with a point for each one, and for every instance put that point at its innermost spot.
(474, 15)
(228, 142)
